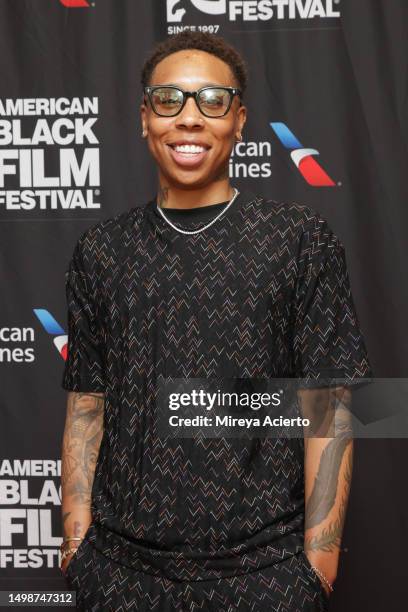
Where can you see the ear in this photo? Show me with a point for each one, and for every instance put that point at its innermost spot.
(241, 118)
(143, 118)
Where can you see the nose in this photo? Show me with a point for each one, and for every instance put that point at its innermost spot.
(190, 116)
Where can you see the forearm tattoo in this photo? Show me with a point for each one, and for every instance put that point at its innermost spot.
(330, 491)
(81, 443)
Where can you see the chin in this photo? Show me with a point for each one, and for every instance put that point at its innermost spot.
(188, 181)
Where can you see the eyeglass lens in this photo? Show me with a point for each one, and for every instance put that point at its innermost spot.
(168, 100)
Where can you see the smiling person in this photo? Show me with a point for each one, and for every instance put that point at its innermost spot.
(202, 281)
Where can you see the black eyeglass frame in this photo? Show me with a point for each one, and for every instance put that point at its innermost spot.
(233, 91)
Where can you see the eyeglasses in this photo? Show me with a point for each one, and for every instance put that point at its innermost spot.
(169, 101)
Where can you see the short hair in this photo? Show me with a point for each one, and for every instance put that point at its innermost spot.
(203, 41)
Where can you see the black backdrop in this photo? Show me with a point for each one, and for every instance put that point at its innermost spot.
(335, 73)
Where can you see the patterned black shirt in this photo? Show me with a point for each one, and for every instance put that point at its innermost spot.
(262, 293)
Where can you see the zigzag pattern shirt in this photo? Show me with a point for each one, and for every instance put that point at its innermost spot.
(262, 293)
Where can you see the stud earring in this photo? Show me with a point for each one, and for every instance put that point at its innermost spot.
(239, 138)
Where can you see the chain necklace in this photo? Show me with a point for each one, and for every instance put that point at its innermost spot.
(205, 226)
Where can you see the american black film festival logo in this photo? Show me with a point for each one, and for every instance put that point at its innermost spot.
(30, 499)
(49, 154)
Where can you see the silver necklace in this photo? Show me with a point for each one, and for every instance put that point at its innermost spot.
(205, 226)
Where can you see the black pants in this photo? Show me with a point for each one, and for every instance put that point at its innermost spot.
(103, 585)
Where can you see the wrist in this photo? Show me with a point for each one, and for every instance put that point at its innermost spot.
(326, 563)
(67, 553)
(69, 542)
(327, 584)
(69, 546)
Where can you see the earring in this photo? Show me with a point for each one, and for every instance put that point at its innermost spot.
(143, 134)
(239, 139)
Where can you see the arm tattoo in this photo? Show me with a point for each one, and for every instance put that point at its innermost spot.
(78, 529)
(333, 479)
(81, 443)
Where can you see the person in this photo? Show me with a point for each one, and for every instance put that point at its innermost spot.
(202, 281)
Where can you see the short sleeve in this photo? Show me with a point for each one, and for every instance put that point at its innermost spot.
(84, 366)
(327, 339)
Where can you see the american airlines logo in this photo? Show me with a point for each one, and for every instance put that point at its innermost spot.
(302, 157)
(52, 327)
(254, 10)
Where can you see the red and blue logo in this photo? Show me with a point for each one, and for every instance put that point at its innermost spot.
(75, 3)
(303, 158)
(53, 328)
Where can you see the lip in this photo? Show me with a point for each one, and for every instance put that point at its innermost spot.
(188, 160)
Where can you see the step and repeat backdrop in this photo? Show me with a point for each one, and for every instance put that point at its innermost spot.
(327, 127)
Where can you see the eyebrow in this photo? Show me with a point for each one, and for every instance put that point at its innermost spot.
(204, 85)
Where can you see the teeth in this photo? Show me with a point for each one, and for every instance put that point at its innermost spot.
(189, 149)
